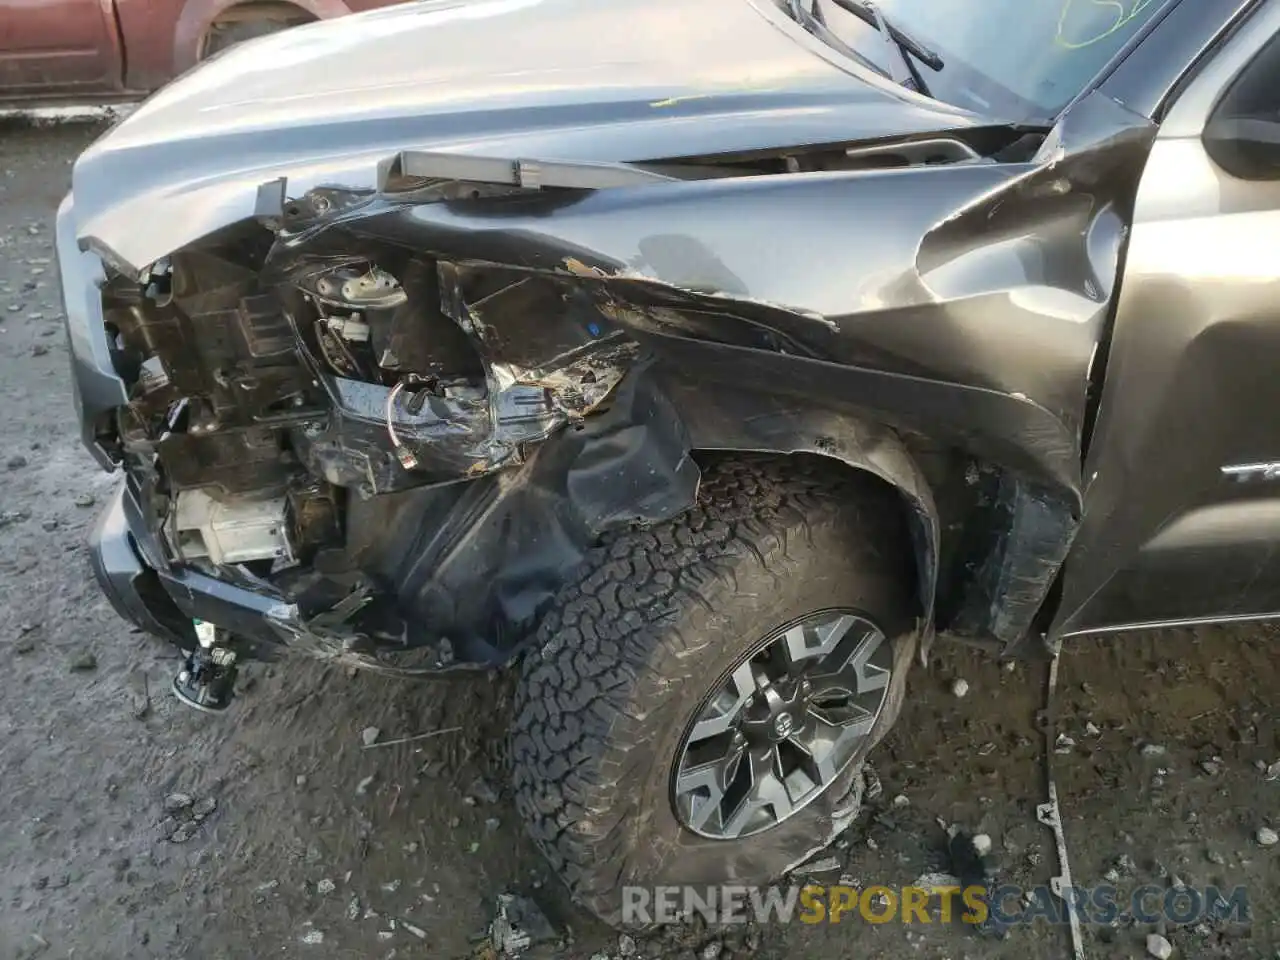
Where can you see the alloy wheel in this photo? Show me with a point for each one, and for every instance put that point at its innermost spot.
(781, 725)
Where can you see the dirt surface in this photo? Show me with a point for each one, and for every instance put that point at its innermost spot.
(294, 839)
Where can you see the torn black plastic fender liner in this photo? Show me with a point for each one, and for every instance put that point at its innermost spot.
(476, 563)
(1032, 541)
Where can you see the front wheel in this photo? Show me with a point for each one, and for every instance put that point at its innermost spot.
(699, 702)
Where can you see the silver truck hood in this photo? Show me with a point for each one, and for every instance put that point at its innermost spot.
(585, 80)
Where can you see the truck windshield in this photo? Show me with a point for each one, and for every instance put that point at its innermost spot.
(1026, 57)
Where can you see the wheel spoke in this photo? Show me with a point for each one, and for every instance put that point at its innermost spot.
(706, 776)
(808, 643)
(819, 756)
(793, 648)
(831, 633)
(743, 680)
(827, 745)
(701, 791)
(725, 707)
(767, 792)
(868, 675)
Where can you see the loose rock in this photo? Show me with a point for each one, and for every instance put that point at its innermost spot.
(935, 880)
(177, 802)
(482, 791)
(39, 350)
(872, 785)
(1151, 750)
(982, 844)
(518, 925)
(369, 735)
(711, 951)
(363, 786)
(312, 937)
(901, 801)
(626, 946)
(84, 663)
(1267, 837)
(325, 887)
(203, 807)
(85, 500)
(16, 462)
(1159, 947)
(184, 833)
(959, 687)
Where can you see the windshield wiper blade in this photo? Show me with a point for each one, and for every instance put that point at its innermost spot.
(901, 42)
(815, 23)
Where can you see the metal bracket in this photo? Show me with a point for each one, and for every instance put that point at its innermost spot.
(1050, 814)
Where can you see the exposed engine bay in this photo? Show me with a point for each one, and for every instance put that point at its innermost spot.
(290, 430)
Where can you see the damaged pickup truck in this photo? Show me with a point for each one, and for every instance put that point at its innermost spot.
(706, 359)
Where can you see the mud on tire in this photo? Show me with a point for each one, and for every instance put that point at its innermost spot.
(635, 643)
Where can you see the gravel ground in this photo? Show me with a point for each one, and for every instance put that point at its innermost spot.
(131, 827)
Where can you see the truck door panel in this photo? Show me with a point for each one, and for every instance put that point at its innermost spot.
(58, 47)
(1181, 515)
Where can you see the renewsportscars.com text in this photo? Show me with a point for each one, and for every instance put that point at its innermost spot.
(1005, 905)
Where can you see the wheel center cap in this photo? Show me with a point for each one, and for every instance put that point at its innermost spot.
(783, 725)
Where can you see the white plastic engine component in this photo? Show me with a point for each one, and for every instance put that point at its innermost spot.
(234, 532)
(350, 328)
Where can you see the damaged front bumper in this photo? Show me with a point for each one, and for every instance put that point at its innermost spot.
(164, 600)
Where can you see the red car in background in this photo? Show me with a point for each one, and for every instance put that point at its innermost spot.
(79, 50)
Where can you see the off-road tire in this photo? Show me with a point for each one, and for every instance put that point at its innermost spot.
(635, 641)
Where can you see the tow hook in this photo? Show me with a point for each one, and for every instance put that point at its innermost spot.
(207, 679)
